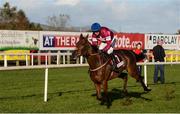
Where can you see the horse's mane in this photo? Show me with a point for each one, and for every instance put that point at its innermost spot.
(88, 45)
(95, 48)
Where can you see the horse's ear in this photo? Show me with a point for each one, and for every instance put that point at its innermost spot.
(87, 35)
(81, 36)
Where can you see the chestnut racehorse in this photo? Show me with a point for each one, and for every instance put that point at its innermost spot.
(100, 67)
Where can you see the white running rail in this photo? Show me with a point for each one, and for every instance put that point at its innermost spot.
(81, 64)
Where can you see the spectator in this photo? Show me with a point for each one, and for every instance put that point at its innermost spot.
(139, 51)
(159, 54)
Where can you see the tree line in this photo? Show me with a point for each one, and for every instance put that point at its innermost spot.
(13, 19)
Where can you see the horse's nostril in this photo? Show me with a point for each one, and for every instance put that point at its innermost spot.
(74, 55)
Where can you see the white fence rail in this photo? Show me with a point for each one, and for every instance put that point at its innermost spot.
(77, 64)
(61, 58)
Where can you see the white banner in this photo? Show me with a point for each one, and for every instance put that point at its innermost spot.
(51, 40)
(171, 42)
(14, 39)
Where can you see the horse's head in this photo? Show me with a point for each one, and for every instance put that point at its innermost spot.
(82, 47)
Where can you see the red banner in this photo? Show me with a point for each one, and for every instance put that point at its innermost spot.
(128, 40)
(68, 40)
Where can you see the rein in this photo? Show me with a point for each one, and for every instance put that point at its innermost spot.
(92, 70)
(94, 54)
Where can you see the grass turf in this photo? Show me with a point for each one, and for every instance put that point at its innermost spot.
(71, 90)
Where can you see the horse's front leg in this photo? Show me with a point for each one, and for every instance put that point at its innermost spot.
(105, 96)
(98, 90)
(125, 85)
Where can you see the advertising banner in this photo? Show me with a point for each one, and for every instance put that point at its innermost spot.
(16, 57)
(128, 40)
(171, 42)
(68, 40)
(14, 39)
(59, 40)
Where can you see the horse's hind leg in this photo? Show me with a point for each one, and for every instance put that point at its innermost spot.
(124, 76)
(134, 73)
(143, 84)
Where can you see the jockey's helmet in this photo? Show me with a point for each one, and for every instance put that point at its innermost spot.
(95, 27)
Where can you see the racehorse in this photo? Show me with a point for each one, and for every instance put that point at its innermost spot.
(100, 67)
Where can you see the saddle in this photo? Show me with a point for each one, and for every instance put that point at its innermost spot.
(116, 60)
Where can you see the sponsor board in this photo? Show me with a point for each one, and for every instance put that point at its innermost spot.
(68, 40)
(15, 57)
(172, 55)
(59, 40)
(128, 40)
(169, 41)
(15, 39)
(47, 40)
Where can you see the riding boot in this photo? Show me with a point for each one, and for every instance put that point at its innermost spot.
(114, 65)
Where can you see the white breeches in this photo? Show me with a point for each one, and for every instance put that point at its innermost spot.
(103, 45)
(110, 50)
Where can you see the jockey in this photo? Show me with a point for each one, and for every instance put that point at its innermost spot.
(103, 38)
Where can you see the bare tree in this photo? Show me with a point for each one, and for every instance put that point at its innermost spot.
(60, 22)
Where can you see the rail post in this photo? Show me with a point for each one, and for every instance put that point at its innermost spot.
(81, 59)
(5, 60)
(46, 84)
(145, 73)
(26, 59)
(32, 60)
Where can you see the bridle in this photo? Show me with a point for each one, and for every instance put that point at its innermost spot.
(95, 69)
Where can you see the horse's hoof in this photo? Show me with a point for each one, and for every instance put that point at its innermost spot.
(109, 103)
(99, 99)
(108, 106)
(102, 103)
(147, 90)
(125, 93)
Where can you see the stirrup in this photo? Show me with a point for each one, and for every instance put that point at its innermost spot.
(120, 64)
(114, 68)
